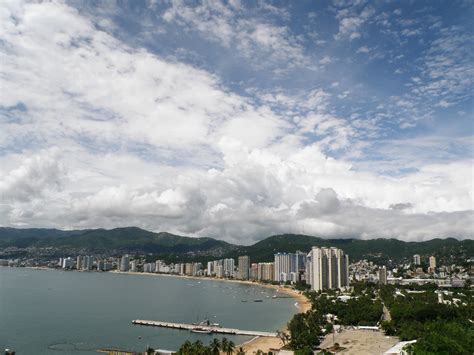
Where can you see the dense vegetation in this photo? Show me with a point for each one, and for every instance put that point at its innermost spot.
(440, 328)
(132, 240)
(215, 347)
(177, 248)
(306, 330)
(416, 313)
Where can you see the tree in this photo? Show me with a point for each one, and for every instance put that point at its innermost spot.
(224, 344)
(241, 351)
(215, 346)
(230, 348)
(185, 348)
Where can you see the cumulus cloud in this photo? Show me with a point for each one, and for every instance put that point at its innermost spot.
(257, 193)
(166, 146)
(32, 177)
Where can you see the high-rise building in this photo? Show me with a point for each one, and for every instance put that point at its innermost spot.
(188, 269)
(432, 264)
(416, 259)
(133, 266)
(253, 271)
(79, 263)
(125, 263)
(383, 275)
(210, 268)
(228, 267)
(67, 263)
(284, 264)
(244, 264)
(265, 272)
(87, 262)
(300, 262)
(327, 268)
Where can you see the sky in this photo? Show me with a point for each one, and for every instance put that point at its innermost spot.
(239, 119)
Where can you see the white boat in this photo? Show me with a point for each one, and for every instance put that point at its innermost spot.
(201, 330)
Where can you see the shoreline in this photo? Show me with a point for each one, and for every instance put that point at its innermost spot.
(258, 343)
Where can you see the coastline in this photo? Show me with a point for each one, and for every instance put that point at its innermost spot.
(258, 343)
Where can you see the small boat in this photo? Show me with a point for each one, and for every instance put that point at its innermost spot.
(258, 300)
(201, 331)
(139, 337)
(244, 301)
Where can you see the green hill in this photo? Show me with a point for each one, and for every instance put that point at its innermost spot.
(175, 247)
(130, 239)
(379, 250)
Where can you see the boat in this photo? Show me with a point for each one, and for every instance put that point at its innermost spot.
(201, 330)
(244, 301)
(258, 300)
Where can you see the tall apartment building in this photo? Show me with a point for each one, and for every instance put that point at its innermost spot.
(327, 268)
(253, 271)
(228, 267)
(125, 263)
(265, 272)
(289, 266)
(210, 271)
(432, 264)
(383, 275)
(244, 264)
(416, 259)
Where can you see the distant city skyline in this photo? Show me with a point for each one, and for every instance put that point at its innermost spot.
(238, 120)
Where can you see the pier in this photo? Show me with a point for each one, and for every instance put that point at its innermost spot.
(208, 328)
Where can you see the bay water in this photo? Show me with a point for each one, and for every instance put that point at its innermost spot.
(67, 312)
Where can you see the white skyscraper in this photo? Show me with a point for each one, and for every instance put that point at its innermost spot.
(229, 267)
(327, 268)
(284, 264)
(416, 259)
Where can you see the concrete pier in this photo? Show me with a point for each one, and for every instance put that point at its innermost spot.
(212, 329)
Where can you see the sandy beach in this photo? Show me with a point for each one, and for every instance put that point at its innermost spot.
(266, 344)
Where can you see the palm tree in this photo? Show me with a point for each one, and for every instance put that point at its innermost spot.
(186, 348)
(230, 347)
(241, 351)
(215, 346)
(224, 344)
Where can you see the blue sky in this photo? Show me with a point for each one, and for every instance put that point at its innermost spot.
(223, 118)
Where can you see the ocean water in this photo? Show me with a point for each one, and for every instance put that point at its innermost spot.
(61, 312)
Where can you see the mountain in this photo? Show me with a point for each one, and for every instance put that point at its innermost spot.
(381, 250)
(129, 239)
(174, 247)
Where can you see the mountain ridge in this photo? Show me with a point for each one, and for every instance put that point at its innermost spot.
(172, 246)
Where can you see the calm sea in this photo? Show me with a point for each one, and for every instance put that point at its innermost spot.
(54, 312)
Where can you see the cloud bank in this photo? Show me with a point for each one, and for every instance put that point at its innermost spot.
(95, 132)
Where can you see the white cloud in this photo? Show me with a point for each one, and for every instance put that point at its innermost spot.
(325, 60)
(254, 39)
(351, 20)
(165, 146)
(363, 49)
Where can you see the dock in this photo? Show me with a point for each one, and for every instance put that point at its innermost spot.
(212, 329)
